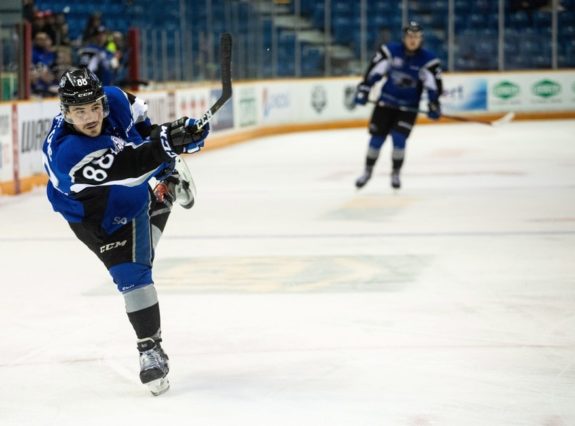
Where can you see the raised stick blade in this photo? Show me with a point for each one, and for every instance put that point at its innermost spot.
(226, 74)
(505, 119)
(226, 63)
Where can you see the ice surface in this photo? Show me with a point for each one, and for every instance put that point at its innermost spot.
(290, 298)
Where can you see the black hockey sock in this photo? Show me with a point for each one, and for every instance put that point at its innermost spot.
(146, 322)
(370, 162)
(397, 164)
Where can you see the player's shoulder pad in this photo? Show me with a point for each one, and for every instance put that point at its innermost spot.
(116, 95)
(428, 58)
(395, 48)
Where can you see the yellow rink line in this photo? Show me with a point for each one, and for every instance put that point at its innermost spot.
(224, 140)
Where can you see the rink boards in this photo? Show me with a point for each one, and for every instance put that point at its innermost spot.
(270, 107)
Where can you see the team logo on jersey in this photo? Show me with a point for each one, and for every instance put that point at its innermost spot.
(318, 98)
(397, 62)
(120, 220)
(119, 144)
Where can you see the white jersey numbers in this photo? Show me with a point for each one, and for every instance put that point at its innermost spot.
(99, 174)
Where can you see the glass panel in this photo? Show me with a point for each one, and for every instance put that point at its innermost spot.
(312, 38)
(566, 34)
(527, 35)
(10, 47)
(475, 35)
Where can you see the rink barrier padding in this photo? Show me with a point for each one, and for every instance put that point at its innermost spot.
(272, 107)
(222, 141)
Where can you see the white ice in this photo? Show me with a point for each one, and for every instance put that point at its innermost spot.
(290, 298)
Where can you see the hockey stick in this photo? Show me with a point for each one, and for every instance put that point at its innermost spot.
(502, 120)
(226, 77)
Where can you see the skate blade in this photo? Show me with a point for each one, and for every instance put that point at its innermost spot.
(158, 386)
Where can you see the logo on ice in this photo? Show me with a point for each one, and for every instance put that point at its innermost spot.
(546, 88)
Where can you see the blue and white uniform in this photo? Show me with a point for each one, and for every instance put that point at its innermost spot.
(407, 75)
(100, 185)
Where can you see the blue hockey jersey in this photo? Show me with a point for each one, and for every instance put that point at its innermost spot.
(407, 75)
(103, 181)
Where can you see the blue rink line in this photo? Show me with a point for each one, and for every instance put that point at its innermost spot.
(323, 236)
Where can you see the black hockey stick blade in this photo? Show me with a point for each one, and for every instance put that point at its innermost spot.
(505, 119)
(226, 76)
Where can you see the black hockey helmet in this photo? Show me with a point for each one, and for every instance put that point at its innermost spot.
(412, 27)
(80, 86)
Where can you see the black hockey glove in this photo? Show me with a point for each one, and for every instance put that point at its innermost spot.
(433, 110)
(178, 137)
(362, 93)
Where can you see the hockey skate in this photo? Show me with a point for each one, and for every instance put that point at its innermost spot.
(178, 186)
(395, 181)
(363, 179)
(153, 366)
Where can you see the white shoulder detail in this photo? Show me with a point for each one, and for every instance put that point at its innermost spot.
(431, 63)
(139, 110)
(386, 51)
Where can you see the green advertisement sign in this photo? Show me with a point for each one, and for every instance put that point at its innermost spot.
(546, 88)
(505, 90)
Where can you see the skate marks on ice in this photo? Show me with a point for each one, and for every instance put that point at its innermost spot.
(291, 274)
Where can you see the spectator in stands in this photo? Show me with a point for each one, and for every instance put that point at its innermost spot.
(50, 25)
(42, 51)
(61, 30)
(43, 79)
(38, 23)
(63, 59)
(92, 26)
(97, 58)
(116, 46)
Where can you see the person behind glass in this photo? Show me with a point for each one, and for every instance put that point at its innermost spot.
(43, 80)
(97, 58)
(100, 155)
(408, 69)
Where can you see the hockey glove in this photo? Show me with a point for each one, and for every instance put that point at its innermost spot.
(433, 110)
(177, 138)
(197, 136)
(361, 94)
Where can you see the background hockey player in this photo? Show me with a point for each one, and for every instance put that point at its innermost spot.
(100, 155)
(409, 69)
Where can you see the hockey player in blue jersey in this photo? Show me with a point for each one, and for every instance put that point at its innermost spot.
(100, 155)
(409, 69)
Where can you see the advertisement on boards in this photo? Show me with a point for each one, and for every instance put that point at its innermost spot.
(192, 102)
(161, 106)
(317, 101)
(247, 107)
(532, 92)
(34, 122)
(463, 94)
(277, 104)
(224, 118)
